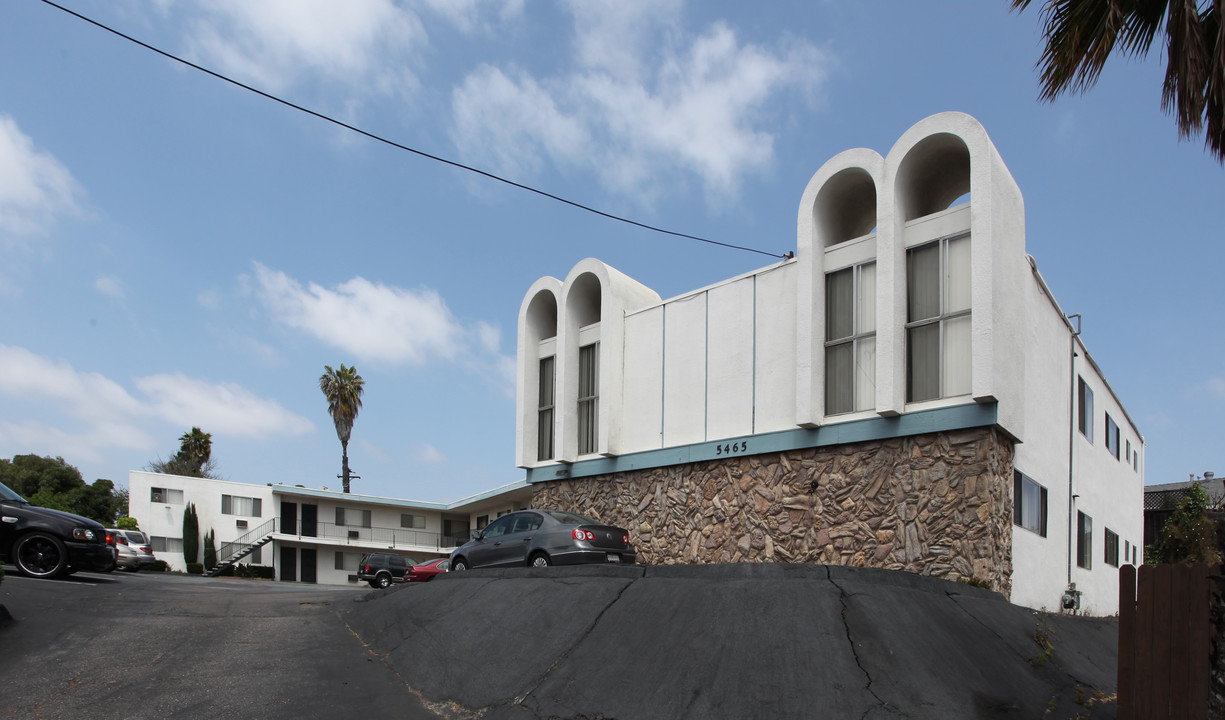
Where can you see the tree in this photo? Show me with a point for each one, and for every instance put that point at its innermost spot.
(343, 390)
(1189, 535)
(193, 459)
(53, 483)
(1081, 34)
(191, 535)
(210, 549)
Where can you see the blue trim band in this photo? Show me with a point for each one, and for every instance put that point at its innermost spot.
(958, 417)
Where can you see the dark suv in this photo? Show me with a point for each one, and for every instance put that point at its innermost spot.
(381, 569)
(47, 543)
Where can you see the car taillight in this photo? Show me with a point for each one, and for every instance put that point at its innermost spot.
(625, 538)
(581, 534)
(146, 549)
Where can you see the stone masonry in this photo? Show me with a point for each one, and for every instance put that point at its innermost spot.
(938, 504)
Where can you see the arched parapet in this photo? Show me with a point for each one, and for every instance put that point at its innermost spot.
(591, 334)
(937, 162)
(839, 216)
(535, 401)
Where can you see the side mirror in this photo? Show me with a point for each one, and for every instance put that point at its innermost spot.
(478, 535)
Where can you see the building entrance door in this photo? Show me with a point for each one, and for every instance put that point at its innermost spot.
(289, 564)
(308, 560)
(310, 519)
(289, 517)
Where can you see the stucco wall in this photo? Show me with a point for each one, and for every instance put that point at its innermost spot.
(937, 504)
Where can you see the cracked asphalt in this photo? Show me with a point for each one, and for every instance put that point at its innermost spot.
(581, 643)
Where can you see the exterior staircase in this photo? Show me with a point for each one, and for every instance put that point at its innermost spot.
(246, 545)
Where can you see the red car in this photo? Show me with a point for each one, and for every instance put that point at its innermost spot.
(426, 571)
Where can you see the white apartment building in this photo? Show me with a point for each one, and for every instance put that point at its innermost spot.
(904, 393)
(307, 535)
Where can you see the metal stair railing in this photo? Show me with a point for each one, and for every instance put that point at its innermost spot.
(246, 544)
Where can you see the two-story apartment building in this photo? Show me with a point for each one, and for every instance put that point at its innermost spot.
(307, 535)
(903, 393)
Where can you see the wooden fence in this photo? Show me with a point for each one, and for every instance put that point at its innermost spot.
(1165, 641)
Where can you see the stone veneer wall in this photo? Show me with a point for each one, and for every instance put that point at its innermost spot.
(938, 504)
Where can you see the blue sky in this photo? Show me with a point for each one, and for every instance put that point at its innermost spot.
(176, 251)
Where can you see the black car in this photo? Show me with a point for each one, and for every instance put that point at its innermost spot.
(539, 538)
(381, 569)
(48, 543)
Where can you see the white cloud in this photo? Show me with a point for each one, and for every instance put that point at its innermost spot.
(34, 187)
(469, 15)
(109, 286)
(100, 414)
(369, 320)
(643, 103)
(427, 453)
(229, 408)
(278, 43)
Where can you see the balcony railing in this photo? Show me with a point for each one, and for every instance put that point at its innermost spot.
(373, 536)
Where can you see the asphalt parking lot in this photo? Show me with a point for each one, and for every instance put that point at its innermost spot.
(157, 645)
(560, 643)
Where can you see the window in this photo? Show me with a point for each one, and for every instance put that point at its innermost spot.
(165, 544)
(166, 495)
(1084, 540)
(499, 527)
(1084, 397)
(1112, 437)
(938, 320)
(1135, 460)
(1133, 556)
(481, 521)
(414, 522)
(588, 398)
(850, 339)
(1126, 551)
(238, 505)
(353, 518)
(1112, 548)
(1028, 503)
(544, 411)
(347, 561)
(1127, 456)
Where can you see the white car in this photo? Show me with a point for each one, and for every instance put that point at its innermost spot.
(133, 551)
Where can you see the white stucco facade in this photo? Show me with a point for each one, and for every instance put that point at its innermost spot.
(314, 535)
(740, 366)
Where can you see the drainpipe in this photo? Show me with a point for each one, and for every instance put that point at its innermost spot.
(1072, 436)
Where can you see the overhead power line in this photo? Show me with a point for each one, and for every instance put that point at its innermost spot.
(392, 143)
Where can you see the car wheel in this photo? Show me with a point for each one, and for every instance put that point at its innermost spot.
(40, 555)
(384, 580)
(539, 560)
(459, 565)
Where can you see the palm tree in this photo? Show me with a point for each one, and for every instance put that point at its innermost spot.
(1081, 34)
(343, 389)
(195, 449)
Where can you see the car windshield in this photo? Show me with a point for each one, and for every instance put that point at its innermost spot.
(6, 494)
(566, 518)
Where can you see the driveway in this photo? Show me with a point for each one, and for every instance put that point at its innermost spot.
(156, 645)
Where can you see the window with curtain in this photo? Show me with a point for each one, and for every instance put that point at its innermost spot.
(243, 506)
(352, 518)
(1084, 403)
(1084, 540)
(1112, 436)
(1112, 548)
(938, 320)
(588, 398)
(544, 410)
(1029, 503)
(850, 339)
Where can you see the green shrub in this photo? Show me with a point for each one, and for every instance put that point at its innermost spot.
(127, 523)
(159, 566)
(194, 568)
